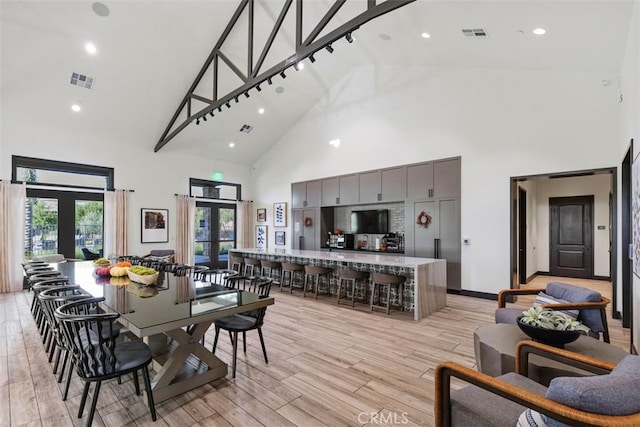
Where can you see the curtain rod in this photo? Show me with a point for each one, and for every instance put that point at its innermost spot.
(80, 187)
(207, 198)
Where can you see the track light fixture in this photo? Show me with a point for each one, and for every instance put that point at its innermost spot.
(246, 94)
(329, 48)
(211, 113)
(236, 98)
(227, 104)
(349, 37)
(312, 59)
(204, 117)
(269, 81)
(258, 87)
(283, 75)
(198, 121)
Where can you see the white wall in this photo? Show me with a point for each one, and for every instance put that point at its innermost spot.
(597, 185)
(502, 123)
(154, 177)
(630, 128)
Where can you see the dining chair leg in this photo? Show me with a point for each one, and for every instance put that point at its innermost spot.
(234, 340)
(264, 349)
(136, 383)
(215, 340)
(94, 402)
(244, 341)
(64, 365)
(68, 382)
(147, 386)
(231, 337)
(304, 290)
(388, 298)
(56, 364)
(83, 400)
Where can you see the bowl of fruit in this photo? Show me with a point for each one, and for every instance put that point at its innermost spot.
(144, 275)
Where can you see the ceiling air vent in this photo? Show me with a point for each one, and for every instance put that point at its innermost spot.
(246, 128)
(474, 32)
(81, 80)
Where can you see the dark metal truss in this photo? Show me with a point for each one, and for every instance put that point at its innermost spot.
(254, 76)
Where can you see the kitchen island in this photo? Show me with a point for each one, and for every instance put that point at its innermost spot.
(426, 278)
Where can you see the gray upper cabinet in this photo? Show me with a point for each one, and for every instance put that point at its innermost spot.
(434, 179)
(419, 181)
(330, 191)
(370, 187)
(349, 189)
(446, 178)
(393, 184)
(305, 194)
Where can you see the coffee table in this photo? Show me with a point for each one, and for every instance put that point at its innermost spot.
(495, 348)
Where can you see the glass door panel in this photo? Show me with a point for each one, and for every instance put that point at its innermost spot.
(41, 234)
(88, 219)
(213, 242)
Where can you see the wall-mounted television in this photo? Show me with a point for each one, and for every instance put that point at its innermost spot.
(371, 221)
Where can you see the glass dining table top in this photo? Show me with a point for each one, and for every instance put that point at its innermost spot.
(174, 301)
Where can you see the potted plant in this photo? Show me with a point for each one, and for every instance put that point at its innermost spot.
(550, 326)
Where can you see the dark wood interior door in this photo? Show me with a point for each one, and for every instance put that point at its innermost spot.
(571, 236)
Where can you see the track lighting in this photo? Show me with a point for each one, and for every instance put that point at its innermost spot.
(211, 113)
(329, 48)
(349, 37)
(236, 98)
(283, 75)
(220, 108)
(204, 117)
(312, 59)
(246, 94)
(227, 104)
(258, 87)
(198, 121)
(269, 81)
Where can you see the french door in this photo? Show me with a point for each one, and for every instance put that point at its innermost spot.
(63, 222)
(215, 233)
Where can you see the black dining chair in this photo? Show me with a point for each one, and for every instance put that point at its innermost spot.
(216, 276)
(96, 354)
(247, 321)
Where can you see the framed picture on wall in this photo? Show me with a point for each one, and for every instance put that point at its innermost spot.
(154, 225)
(280, 214)
(261, 236)
(262, 215)
(635, 215)
(280, 238)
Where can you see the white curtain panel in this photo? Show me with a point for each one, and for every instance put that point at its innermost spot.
(245, 225)
(116, 223)
(13, 199)
(186, 229)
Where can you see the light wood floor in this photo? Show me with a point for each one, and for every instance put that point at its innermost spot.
(328, 365)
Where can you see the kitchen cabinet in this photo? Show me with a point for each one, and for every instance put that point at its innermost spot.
(330, 191)
(306, 229)
(436, 179)
(440, 239)
(349, 189)
(306, 194)
(386, 185)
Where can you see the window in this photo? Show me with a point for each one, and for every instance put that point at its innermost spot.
(214, 190)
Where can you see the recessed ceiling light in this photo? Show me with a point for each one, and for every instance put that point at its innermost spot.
(76, 108)
(260, 110)
(100, 9)
(231, 144)
(279, 90)
(425, 35)
(384, 36)
(91, 48)
(539, 31)
(335, 142)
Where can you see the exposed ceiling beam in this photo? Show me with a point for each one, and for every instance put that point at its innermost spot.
(304, 49)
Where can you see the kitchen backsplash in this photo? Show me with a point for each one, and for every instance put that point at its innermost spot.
(342, 216)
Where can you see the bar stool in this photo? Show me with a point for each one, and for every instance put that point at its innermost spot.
(236, 263)
(350, 278)
(312, 277)
(251, 266)
(292, 269)
(272, 269)
(378, 280)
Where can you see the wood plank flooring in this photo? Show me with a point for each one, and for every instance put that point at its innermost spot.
(328, 366)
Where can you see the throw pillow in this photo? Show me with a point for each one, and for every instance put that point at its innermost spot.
(531, 418)
(543, 298)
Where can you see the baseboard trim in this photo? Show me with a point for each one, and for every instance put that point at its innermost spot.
(530, 278)
(616, 315)
(606, 278)
(474, 294)
(546, 273)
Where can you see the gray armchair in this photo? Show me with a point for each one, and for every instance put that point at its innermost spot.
(591, 305)
(608, 398)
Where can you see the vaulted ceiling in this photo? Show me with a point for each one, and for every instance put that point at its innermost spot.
(149, 52)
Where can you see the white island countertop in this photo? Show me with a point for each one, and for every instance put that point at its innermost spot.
(395, 260)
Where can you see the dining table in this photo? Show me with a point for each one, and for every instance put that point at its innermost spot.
(172, 316)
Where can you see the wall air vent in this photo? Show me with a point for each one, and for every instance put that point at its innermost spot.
(474, 32)
(246, 128)
(81, 80)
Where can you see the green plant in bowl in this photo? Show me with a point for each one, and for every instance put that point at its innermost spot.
(551, 319)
